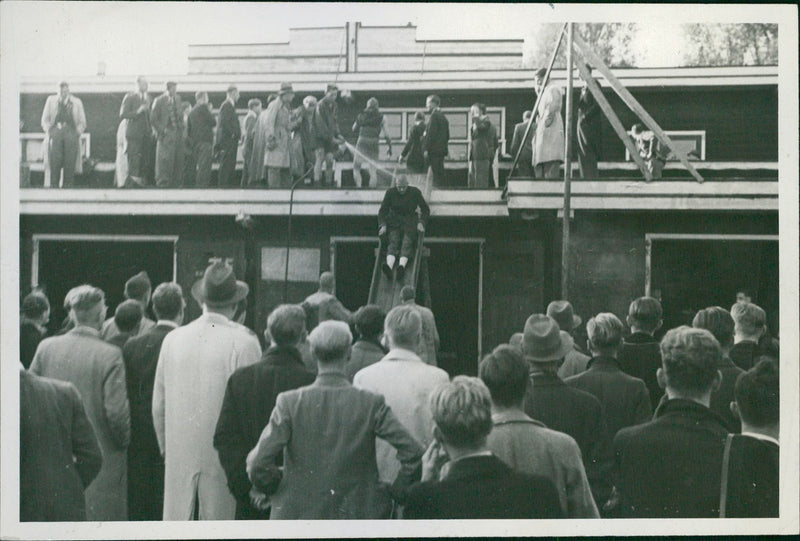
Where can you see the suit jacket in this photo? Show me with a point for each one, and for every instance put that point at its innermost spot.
(200, 124)
(527, 144)
(322, 306)
(48, 120)
(248, 403)
(29, 338)
(406, 382)
(640, 357)
(250, 122)
(721, 399)
(138, 126)
(753, 478)
(527, 446)
(624, 398)
(58, 451)
(671, 467)
(429, 342)
(110, 329)
(97, 370)
(364, 354)
(327, 433)
(580, 415)
(574, 363)
(483, 487)
(744, 354)
(413, 149)
(484, 140)
(229, 131)
(437, 134)
(160, 115)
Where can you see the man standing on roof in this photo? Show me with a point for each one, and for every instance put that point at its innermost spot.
(399, 219)
(548, 143)
(327, 136)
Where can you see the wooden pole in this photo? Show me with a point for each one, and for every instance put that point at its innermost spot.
(538, 99)
(567, 171)
(635, 106)
(602, 102)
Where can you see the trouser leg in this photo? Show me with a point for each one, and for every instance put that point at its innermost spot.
(56, 155)
(134, 151)
(395, 232)
(409, 228)
(71, 149)
(227, 165)
(203, 157)
(357, 178)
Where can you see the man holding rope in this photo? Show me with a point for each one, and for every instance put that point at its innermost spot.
(399, 219)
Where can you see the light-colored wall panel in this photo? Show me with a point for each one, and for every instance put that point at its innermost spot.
(438, 63)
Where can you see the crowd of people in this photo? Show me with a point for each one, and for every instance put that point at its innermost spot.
(167, 142)
(347, 415)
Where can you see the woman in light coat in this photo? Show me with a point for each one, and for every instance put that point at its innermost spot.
(548, 142)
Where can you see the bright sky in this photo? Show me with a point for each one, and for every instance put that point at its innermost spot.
(70, 38)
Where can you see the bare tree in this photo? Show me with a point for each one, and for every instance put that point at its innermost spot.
(748, 44)
(612, 41)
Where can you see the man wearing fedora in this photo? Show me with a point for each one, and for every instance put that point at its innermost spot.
(575, 361)
(193, 369)
(563, 408)
(278, 139)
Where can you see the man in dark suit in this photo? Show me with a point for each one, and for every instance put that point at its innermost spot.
(139, 133)
(58, 451)
(750, 324)
(200, 130)
(34, 314)
(434, 143)
(524, 167)
(140, 353)
(640, 356)
(624, 398)
(250, 397)
(228, 135)
(564, 408)
(168, 125)
(462, 478)
(127, 317)
(671, 467)
(753, 470)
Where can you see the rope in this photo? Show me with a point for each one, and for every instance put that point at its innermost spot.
(339, 61)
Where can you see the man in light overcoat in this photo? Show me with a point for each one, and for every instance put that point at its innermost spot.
(63, 123)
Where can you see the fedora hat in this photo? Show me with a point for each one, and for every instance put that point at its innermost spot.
(286, 88)
(543, 341)
(562, 312)
(219, 287)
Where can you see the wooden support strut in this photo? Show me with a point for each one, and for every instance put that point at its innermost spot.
(601, 100)
(631, 102)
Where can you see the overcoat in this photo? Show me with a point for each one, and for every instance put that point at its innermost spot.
(255, 169)
(96, 369)
(49, 118)
(548, 143)
(277, 133)
(194, 365)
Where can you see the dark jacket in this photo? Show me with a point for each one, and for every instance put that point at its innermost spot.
(58, 451)
(397, 206)
(484, 140)
(249, 400)
(721, 399)
(753, 478)
(580, 415)
(413, 149)
(326, 126)
(640, 357)
(527, 146)
(138, 123)
(671, 467)
(744, 354)
(29, 338)
(589, 114)
(624, 398)
(483, 487)
(364, 354)
(200, 125)
(145, 465)
(437, 135)
(166, 116)
(229, 131)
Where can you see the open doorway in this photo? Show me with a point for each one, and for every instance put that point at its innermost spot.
(691, 272)
(61, 262)
(454, 273)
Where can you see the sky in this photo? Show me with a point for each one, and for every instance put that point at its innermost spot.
(71, 38)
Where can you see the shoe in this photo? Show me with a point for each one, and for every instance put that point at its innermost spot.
(401, 271)
(387, 270)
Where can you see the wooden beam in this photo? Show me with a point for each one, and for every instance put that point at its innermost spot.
(635, 106)
(615, 122)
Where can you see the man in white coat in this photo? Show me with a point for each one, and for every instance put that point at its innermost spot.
(193, 369)
(405, 382)
(548, 142)
(63, 122)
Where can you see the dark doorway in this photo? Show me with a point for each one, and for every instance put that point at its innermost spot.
(107, 264)
(692, 274)
(454, 275)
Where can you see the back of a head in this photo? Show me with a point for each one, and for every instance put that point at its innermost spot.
(168, 300)
(403, 327)
(34, 305)
(718, 322)
(757, 394)
(253, 103)
(408, 293)
(326, 281)
(86, 302)
(516, 340)
(506, 374)
(372, 104)
(330, 341)
(128, 315)
(749, 319)
(690, 358)
(645, 314)
(462, 410)
(287, 324)
(369, 321)
(138, 287)
(605, 332)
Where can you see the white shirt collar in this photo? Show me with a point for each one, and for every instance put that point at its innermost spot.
(168, 323)
(761, 437)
